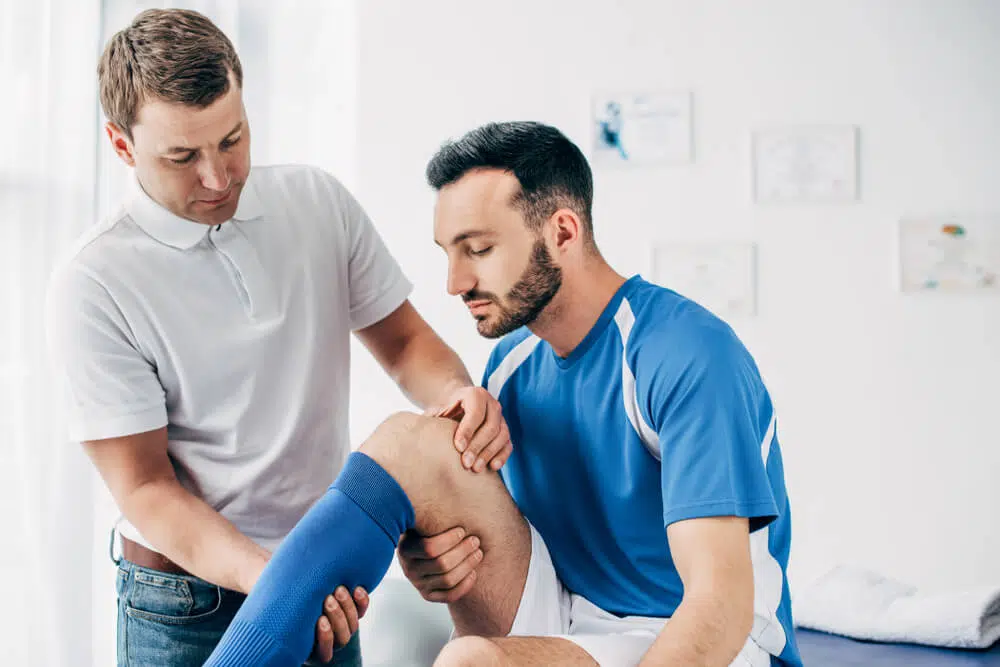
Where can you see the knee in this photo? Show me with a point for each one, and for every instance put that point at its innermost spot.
(406, 433)
(407, 442)
(397, 430)
(470, 652)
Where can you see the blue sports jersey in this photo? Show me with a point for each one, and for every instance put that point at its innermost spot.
(657, 416)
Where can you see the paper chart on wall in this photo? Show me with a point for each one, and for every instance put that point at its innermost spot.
(805, 164)
(641, 128)
(949, 254)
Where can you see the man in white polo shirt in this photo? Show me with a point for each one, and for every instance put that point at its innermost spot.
(203, 334)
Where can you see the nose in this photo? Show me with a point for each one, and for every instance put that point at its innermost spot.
(214, 175)
(460, 281)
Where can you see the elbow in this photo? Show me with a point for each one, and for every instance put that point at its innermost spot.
(149, 500)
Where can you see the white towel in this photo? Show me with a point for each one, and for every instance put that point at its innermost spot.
(858, 603)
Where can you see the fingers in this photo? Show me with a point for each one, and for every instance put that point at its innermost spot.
(333, 611)
(482, 432)
(341, 617)
(490, 453)
(502, 457)
(361, 601)
(487, 432)
(446, 562)
(442, 567)
(476, 412)
(453, 411)
(453, 576)
(323, 651)
(346, 601)
(415, 546)
(452, 594)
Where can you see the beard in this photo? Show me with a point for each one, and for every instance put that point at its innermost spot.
(526, 299)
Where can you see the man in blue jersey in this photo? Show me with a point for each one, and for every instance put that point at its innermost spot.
(646, 455)
(642, 518)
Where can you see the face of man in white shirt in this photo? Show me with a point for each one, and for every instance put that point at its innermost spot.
(192, 161)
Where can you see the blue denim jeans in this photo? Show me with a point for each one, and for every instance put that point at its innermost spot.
(170, 620)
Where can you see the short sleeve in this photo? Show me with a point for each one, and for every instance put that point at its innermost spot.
(377, 284)
(111, 389)
(710, 412)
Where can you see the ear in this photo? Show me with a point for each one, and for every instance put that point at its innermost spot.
(566, 229)
(122, 145)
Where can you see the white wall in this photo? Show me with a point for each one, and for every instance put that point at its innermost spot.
(887, 402)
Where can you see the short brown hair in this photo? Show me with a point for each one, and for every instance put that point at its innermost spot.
(173, 55)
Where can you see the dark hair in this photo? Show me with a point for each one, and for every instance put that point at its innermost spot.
(552, 171)
(173, 55)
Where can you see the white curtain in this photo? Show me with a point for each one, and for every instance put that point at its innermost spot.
(57, 177)
(47, 197)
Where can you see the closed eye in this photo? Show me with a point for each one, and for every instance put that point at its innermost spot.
(480, 253)
(185, 160)
(225, 145)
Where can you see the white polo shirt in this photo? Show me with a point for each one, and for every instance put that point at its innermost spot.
(235, 337)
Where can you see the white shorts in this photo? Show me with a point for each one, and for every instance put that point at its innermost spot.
(547, 609)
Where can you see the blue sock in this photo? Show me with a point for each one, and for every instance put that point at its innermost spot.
(347, 538)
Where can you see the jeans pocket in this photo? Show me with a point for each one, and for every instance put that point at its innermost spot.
(171, 599)
(121, 582)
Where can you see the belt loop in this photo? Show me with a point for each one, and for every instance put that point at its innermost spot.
(111, 546)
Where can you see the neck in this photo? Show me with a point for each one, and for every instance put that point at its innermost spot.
(575, 309)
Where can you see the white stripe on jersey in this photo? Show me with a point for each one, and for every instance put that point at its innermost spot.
(767, 636)
(498, 378)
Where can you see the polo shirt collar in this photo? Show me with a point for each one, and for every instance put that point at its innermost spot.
(178, 232)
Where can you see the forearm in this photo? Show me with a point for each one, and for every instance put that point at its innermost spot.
(189, 532)
(428, 371)
(703, 632)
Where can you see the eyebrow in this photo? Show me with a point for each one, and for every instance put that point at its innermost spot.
(464, 236)
(185, 149)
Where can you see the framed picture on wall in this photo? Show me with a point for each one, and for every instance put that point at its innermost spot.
(641, 128)
(806, 164)
(721, 276)
(949, 254)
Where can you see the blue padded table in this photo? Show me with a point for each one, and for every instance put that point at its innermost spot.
(819, 649)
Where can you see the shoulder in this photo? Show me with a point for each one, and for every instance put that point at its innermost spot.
(672, 333)
(78, 270)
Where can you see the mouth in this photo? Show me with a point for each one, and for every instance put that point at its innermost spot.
(221, 200)
(478, 307)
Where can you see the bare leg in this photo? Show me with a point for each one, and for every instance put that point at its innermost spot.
(513, 651)
(418, 452)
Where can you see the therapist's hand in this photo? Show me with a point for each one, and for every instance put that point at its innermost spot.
(339, 622)
(482, 436)
(443, 566)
